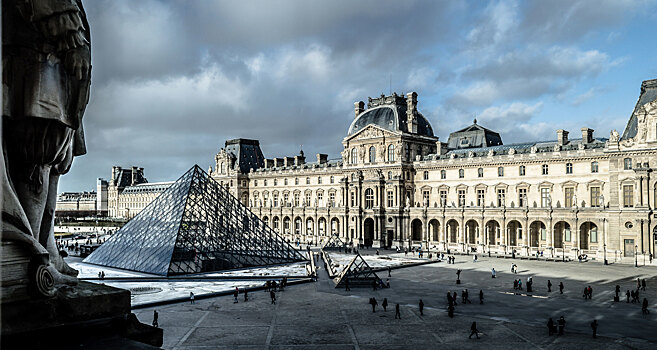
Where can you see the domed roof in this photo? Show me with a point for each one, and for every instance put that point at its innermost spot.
(389, 117)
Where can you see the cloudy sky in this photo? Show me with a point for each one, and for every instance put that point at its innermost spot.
(172, 80)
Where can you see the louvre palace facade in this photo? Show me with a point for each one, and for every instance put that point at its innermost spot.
(397, 184)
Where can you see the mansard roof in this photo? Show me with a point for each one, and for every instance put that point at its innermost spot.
(247, 153)
(389, 112)
(473, 136)
(648, 94)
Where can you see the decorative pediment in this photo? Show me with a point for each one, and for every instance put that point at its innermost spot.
(371, 132)
(595, 183)
(569, 183)
(522, 185)
(425, 188)
(545, 184)
(501, 185)
(481, 186)
(462, 187)
(443, 187)
(627, 181)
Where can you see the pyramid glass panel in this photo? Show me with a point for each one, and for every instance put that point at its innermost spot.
(194, 226)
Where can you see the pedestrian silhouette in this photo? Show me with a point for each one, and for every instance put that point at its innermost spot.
(561, 287)
(246, 295)
(594, 327)
(550, 326)
(562, 324)
(397, 313)
(155, 317)
(272, 295)
(549, 286)
(474, 330)
(421, 307)
(191, 297)
(481, 296)
(374, 303)
(385, 304)
(644, 307)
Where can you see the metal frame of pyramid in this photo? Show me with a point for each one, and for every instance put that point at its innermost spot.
(334, 243)
(194, 226)
(359, 273)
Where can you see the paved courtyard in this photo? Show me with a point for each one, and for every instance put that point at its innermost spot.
(315, 315)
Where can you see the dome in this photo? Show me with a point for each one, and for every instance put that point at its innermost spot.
(389, 117)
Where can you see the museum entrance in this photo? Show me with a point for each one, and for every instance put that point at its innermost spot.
(368, 232)
(628, 252)
(416, 230)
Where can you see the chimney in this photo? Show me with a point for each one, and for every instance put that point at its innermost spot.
(115, 170)
(359, 107)
(562, 137)
(322, 158)
(299, 160)
(133, 174)
(587, 135)
(411, 112)
(441, 148)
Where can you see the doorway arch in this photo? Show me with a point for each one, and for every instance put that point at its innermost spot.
(514, 228)
(536, 231)
(434, 229)
(368, 232)
(416, 230)
(452, 229)
(561, 234)
(492, 229)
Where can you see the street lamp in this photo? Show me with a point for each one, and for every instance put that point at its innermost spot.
(636, 264)
(605, 252)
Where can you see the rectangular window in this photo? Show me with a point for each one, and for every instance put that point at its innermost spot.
(594, 235)
(307, 199)
(595, 197)
(286, 199)
(319, 180)
(522, 197)
(391, 199)
(332, 198)
(567, 239)
(296, 199)
(481, 198)
(353, 199)
(569, 192)
(500, 171)
(569, 168)
(594, 167)
(545, 169)
(443, 198)
(320, 199)
(521, 170)
(275, 200)
(545, 197)
(425, 198)
(627, 163)
(461, 194)
(501, 197)
(543, 233)
(628, 196)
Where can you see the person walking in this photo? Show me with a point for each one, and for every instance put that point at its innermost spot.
(492, 271)
(454, 299)
(520, 284)
(594, 327)
(374, 303)
(481, 296)
(235, 294)
(346, 284)
(389, 269)
(562, 324)
(246, 295)
(590, 292)
(627, 295)
(385, 304)
(474, 330)
(561, 287)
(515, 284)
(397, 313)
(191, 297)
(643, 284)
(550, 326)
(374, 285)
(549, 286)
(421, 307)
(644, 307)
(155, 317)
(466, 297)
(272, 295)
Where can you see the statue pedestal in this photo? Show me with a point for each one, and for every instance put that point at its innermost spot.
(84, 316)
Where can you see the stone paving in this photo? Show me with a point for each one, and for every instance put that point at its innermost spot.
(317, 316)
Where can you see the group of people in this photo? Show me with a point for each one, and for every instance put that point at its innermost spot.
(276, 286)
(450, 259)
(552, 328)
(384, 304)
(588, 293)
(101, 275)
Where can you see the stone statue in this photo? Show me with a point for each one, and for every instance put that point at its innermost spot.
(46, 79)
(614, 136)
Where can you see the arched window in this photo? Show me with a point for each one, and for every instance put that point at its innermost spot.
(354, 155)
(461, 173)
(369, 198)
(480, 172)
(594, 167)
(372, 154)
(569, 168)
(223, 168)
(443, 174)
(391, 153)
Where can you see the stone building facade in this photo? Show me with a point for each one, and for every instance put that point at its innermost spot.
(397, 184)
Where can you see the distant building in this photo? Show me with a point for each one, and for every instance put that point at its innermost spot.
(76, 204)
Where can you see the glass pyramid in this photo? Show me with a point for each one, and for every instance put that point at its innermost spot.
(194, 226)
(359, 273)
